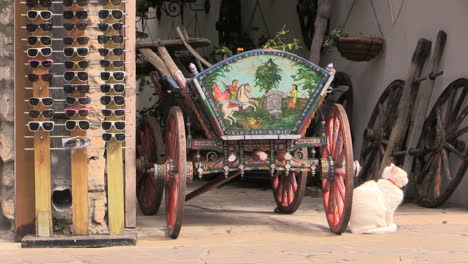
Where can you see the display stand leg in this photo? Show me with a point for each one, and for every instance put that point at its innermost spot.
(42, 183)
(115, 191)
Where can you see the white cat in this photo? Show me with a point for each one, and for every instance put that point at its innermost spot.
(375, 203)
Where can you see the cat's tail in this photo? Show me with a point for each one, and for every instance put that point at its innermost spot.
(374, 230)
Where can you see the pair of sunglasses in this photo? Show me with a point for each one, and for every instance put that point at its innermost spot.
(44, 40)
(69, 112)
(80, 40)
(70, 88)
(118, 76)
(43, 26)
(48, 113)
(84, 125)
(69, 3)
(114, 13)
(120, 137)
(34, 52)
(104, 51)
(113, 2)
(47, 101)
(117, 88)
(108, 63)
(34, 3)
(78, 14)
(107, 99)
(103, 39)
(116, 112)
(43, 14)
(80, 64)
(82, 52)
(80, 75)
(79, 26)
(80, 100)
(106, 26)
(34, 126)
(44, 63)
(107, 125)
(45, 77)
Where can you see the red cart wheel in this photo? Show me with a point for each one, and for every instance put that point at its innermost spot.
(337, 188)
(289, 189)
(442, 159)
(378, 131)
(150, 147)
(175, 186)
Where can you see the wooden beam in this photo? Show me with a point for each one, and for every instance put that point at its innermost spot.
(156, 61)
(173, 69)
(173, 44)
(190, 49)
(130, 106)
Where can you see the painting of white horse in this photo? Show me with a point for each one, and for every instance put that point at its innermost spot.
(227, 108)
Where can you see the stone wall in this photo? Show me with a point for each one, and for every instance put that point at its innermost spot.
(7, 175)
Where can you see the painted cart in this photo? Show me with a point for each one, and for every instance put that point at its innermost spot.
(246, 114)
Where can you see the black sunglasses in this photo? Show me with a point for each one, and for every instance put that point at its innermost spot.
(44, 40)
(113, 2)
(70, 88)
(47, 101)
(73, 112)
(82, 52)
(71, 26)
(48, 113)
(81, 75)
(45, 77)
(36, 125)
(114, 13)
(44, 63)
(43, 14)
(107, 99)
(69, 3)
(81, 100)
(80, 40)
(103, 39)
(33, 52)
(79, 14)
(80, 64)
(107, 125)
(118, 136)
(82, 124)
(44, 3)
(118, 76)
(104, 51)
(35, 27)
(116, 112)
(117, 88)
(106, 26)
(108, 63)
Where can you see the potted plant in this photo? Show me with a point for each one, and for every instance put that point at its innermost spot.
(355, 48)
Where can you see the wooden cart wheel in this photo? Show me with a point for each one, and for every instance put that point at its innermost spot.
(149, 146)
(337, 187)
(175, 186)
(442, 157)
(378, 131)
(289, 189)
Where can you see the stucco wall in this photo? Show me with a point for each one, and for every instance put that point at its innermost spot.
(418, 19)
(6, 113)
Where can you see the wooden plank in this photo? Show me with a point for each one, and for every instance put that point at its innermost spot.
(24, 168)
(173, 44)
(405, 107)
(173, 69)
(190, 49)
(156, 61)
(130, 106)
(79, 157)
(422, 103)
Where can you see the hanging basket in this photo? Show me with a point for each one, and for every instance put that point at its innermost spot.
(359, 48)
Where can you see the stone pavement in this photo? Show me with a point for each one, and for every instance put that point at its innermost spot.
(237, 225)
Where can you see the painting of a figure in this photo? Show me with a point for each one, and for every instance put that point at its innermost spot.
(261, 92)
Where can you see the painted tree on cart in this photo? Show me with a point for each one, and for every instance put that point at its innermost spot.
(268, 76)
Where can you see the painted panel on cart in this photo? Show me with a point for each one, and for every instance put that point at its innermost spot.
(263, 92)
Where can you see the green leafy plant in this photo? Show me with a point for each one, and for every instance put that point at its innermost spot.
(330, 39)
(279, 42)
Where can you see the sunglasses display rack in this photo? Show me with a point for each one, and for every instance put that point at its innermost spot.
(77, 52)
